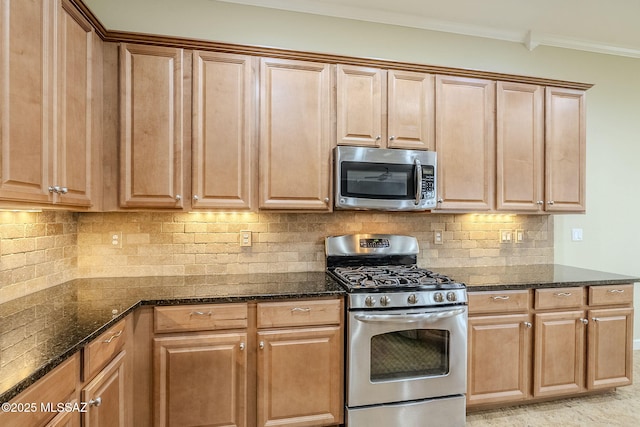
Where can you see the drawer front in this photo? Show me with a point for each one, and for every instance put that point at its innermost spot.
(559, 298)
(299, 313)
(102, 349)
(611, 295)
(498, 302)
(205, 317)
(57, 386)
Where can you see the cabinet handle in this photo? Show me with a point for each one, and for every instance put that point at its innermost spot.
(241, 346)
(54, 189)
(113, 337)
(440, 201)
(616, 291)
(595, 319)
(391, 138)
(550, 202)
(64, 190)
(540, 202)
(378, 138)
(200, 313)
(196, 198)
(178, 197)
(584, 321)
(563, 294)
(500, 298)
(303, 309)
(95, 402)
(528, 324)
(326, 200)
(261, 345)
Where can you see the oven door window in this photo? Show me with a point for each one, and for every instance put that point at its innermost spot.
(415, 353)
(377, 180)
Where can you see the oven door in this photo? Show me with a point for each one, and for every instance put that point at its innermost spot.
(401, 355)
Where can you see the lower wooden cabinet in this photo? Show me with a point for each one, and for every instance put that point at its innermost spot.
(581, 342)
(201, 380)
(106, 395)
(66, 419)
(498, 358)
(300, 377)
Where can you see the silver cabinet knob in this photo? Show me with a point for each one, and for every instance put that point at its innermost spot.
(540, 202)
(440, 201)
(595, 319)
(178, 197)
(528, 324)
(391, 138)
(326, 200)
(261, 345)
(241, 346)
(584, 321)
(550, 202)
(378, 138)
(95, 402)
(64, 190)
(196, 198)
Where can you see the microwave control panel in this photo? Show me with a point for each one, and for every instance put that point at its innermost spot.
(428, 183)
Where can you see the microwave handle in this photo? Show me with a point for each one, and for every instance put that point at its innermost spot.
(418, 180)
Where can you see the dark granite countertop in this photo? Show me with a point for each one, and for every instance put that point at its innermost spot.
(41, 330)
(531, 277)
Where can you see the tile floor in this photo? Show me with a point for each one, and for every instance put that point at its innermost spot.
(616, 409)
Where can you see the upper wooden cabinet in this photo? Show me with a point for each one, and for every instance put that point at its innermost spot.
(151, 127)
(46, 73)
(519, 147)
(565, 148)
(223, 146)
(388, 109)
(295, 135)
(465, 143)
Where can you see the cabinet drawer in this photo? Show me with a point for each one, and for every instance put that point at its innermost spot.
(102, 349)
(206, 317)
(498, 302)
(299, 313)
(559, 298)
(58, 385)
(611, 294)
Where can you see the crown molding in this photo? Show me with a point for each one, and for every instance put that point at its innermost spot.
(414, 21)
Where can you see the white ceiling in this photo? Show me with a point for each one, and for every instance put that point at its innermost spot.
(605, 26)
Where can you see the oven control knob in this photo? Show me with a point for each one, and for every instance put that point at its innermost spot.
(385, 300)
(438, 297)
(412, 299)
(370, 301)
(451, 296)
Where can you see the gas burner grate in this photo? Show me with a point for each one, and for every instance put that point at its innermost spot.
(389, 277)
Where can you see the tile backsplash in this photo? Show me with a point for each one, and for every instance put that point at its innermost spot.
(37, 250)
(208, 243)
(48, 248)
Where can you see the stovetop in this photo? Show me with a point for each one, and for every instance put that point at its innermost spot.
(391, 278)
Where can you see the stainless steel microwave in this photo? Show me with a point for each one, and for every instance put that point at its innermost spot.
(384, 179)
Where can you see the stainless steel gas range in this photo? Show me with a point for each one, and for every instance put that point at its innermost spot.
(406, 350)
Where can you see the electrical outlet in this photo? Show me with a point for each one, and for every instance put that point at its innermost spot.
(245, 238)
(519, 236)
(116, 239)
(437, 237)
(576, 234)
(506, 236)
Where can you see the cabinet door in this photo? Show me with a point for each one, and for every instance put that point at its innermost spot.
(411, 121)
(73, 107)
(498, 376)
(200, 380)
(300, 377)
(223, 117)
(25, 99)
(565, 145)
(151, 126)
(519, 147)
(295, 135)
(465, 143)
(559, 353)
(360, 106)
(68, 418)
(106, 397)
(610, 356)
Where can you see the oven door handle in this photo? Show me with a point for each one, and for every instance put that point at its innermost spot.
(410, 318)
